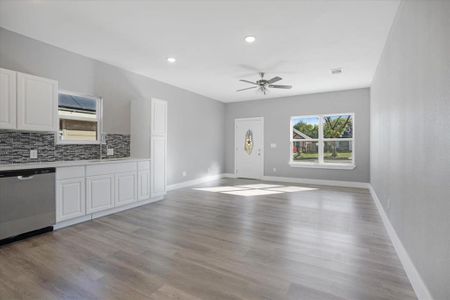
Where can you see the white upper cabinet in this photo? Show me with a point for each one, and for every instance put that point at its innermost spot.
(37, 103)
(159, 117)
(7, 99)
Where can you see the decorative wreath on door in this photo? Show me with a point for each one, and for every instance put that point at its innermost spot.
(248, 144)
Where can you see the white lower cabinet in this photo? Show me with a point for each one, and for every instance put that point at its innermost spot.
(143, 184)
(159, 153)
(99, 193)
(126, 188)
(70, 195)
(144, 190)
(85, 190)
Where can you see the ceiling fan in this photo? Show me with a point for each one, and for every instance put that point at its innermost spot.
(263, 85)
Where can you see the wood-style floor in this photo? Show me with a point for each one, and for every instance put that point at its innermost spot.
(326, 243)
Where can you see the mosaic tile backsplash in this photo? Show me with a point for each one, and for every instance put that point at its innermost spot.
(15, 147)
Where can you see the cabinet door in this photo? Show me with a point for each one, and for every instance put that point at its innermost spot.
(126, 188)
(158, 163)
(159, 117)
(144, 184)
(7, 99)
(99, 193)
(37, 103)
(70, 199)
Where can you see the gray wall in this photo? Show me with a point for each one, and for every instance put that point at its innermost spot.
(277, 113)
(188, 112)
(410, 140)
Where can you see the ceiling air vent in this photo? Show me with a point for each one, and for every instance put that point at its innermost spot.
(336, 71)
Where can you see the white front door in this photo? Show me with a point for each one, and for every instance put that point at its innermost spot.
(249, 147)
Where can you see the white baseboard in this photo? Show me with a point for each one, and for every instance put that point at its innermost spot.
(100, 214)
(229, 175)
(351, 184)
(194, 182)
(125, 207)
(71, 222)
(416, 280)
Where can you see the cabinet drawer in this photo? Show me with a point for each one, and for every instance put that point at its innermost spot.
(144, 165)
(102, 169)
(69, 172)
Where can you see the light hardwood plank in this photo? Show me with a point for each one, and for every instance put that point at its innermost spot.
(323, 243)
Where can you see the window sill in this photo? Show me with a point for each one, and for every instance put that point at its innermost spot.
(78, 143)
(322, 166)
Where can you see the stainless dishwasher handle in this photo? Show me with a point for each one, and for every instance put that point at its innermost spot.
(25, 178)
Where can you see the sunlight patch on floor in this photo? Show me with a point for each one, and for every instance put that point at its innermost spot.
(292, 189)
(252, 192)
(259, 186)
(218, 189)
(259, 189)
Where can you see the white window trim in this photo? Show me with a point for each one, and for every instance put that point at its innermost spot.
(99, 121)
(321, 164)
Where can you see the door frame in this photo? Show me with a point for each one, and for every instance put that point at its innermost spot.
(262, 142)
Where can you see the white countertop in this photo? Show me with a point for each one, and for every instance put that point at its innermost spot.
(67, 163)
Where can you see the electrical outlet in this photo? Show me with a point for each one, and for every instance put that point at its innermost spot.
(184, 173)
(33, 154)
(110, 151)
(274, 170)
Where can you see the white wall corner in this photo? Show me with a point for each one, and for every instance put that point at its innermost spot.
(414, 277)
(189, 183)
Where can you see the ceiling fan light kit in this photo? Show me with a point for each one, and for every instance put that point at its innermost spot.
(264, 85)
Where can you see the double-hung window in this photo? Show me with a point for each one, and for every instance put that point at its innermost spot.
(324, 141)
(79, 119)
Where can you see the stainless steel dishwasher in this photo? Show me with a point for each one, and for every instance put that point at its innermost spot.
(27, 203)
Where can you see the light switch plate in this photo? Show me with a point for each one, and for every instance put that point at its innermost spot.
(33, 154)
(110, 151)
(273, 145)
(184, 173)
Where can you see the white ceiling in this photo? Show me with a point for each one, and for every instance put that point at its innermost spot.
(297, 40)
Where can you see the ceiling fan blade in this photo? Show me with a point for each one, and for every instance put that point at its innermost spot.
(275, 79)
(280, 86)
(252, 87)
(247, 81)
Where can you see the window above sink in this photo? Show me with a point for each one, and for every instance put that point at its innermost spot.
(79, 118)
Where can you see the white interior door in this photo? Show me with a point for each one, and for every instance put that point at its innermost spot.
(249, 147)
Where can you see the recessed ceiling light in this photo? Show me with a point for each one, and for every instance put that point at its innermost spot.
(336, 71)
(250, 39)
(171, 60)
